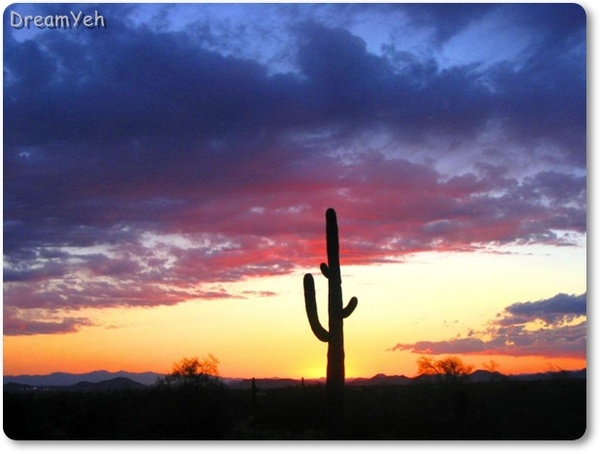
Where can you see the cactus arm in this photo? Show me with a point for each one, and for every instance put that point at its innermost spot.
(325, 270)
(311, 309)
(350, 307)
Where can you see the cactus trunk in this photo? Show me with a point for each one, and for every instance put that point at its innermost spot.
(335, 335)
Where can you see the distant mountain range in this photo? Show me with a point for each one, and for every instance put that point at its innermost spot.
(102, 380)
(66, 379)
(103, 386)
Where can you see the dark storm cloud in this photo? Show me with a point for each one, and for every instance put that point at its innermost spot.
(144, 129)
(507, 335)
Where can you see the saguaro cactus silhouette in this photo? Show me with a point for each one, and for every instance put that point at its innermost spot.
(337, 313)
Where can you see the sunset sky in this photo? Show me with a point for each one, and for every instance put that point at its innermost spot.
(166, 178)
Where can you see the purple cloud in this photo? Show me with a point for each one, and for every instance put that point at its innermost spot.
(552, 311)
(18, 324)
(508, 335)
(205, 147)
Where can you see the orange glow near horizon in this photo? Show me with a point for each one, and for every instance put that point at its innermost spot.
(269, 336)
(312, 368)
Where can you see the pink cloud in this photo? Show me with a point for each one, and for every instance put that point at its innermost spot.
(386, 208)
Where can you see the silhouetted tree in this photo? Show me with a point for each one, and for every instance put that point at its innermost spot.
(492, 366)
(556, 371)
(193, 371)
(452, 372)
(452, 368)
(335, 336)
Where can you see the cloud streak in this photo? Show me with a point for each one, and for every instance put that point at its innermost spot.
(179, 148)
(517, 332)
